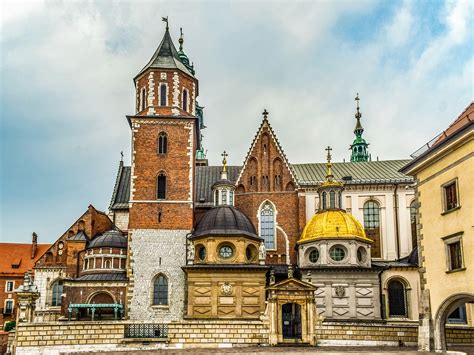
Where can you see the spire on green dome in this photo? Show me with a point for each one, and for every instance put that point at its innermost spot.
(182, 56)
(359, 147)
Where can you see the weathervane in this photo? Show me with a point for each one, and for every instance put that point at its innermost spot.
(165, 19)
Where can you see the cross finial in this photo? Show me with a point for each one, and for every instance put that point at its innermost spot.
(224, 161)
(165, 19)
(181, 40)
(329, 173)
(357, 99)
(121, 155)
(265, 114)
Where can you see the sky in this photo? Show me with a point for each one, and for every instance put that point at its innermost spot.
(66, 70)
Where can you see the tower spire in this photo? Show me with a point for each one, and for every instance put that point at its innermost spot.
(329, 175)
(359, 147)
(165, 19)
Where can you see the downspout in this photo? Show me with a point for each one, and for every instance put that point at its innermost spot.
(395, 211)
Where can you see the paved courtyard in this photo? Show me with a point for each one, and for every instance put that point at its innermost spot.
(295, 350)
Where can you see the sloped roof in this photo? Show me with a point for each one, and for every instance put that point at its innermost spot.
(110, 276)
(370, 172)
(121, 193)
(19, 254)
(206, 176)
(166, 57)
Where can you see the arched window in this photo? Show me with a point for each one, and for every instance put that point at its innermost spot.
(332, 199)
(323, 207)
(160, 291)
(396, 299)
(372, 225)
(413, 211)
(107, 264)
(267, 225)
(185, 100)
(57, 289)
(142, 99)
(162, 143)
(161, 186)
(163, 95)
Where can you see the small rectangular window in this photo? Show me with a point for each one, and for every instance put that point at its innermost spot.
(454, 252)
(450, 196)
(9, 285)
(8, 307)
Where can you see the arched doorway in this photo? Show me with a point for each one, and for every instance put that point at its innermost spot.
(103, 298)
(446, 308)
(291, 321)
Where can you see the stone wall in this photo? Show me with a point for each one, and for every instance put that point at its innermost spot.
(459, 335)
(332, 333)
(217, 333)
(154, 252)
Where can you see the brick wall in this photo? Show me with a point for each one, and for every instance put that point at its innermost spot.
(460, 335)
(217, 333)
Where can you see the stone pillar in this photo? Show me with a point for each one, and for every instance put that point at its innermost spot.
(425, 328)
(27, 294)
(272, 313)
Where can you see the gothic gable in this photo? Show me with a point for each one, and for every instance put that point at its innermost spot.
(266, 168)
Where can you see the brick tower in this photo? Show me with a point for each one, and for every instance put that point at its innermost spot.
(165, 137)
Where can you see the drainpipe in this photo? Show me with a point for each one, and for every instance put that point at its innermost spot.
(395, 211)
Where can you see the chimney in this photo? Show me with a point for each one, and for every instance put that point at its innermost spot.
(34, 245)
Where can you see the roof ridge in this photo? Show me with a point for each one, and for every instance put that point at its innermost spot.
(117, 182)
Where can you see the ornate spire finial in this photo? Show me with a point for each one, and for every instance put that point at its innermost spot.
(224, 161)
(329, 173)
(121, 156)
(181, 40)
(165, 19)
(265, 114)
(358, 115)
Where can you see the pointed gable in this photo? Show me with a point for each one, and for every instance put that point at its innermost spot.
(292, 284)
(266, 167)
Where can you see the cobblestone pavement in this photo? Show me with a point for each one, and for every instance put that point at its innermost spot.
(325, 350)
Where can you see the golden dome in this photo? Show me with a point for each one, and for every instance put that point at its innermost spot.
(333, 224)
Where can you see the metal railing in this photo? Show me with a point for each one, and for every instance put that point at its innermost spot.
(146, 330)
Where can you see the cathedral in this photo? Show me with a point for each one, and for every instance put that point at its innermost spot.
(293, 250)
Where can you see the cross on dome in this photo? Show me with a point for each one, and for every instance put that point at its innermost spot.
(224, 161)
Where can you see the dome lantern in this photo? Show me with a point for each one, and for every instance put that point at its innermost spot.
(330, 191)
(223, 189)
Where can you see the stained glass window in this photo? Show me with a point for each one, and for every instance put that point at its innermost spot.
(267, 226)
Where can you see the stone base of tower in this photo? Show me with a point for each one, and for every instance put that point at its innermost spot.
(155, 252)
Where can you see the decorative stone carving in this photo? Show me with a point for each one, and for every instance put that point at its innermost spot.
(190, 250)
(262, 253)
(226, 289)
(340, 291)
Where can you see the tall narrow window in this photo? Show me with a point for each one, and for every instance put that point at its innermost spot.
(8, 307)
(332, 199)
(224, 197)
(160, 291)
(396, 299)
(455, 256)
(267, 225)
(185, 100)
(161, 188)
(372, 226)
(57, 293)
(324, 194)
(450, 196)
(163, 95)
(413, 211)
(162, 143)
(142, 99)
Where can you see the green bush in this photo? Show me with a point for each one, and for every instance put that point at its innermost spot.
(10, 325)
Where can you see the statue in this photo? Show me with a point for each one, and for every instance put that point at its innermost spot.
(262, 254)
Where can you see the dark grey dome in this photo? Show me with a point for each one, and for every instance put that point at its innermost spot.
(225, 220)
(222, 182)
(110, 239)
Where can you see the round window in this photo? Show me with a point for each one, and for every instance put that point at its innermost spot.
(202, 253)
(361, 255)
(337, 253)
(225, 251)
(314, 255)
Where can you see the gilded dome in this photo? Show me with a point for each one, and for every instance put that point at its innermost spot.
(333, 224)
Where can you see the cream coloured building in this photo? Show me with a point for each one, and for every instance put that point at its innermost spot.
(444, 171)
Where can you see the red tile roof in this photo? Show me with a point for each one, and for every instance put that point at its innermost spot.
(19, 255)
(463, 119)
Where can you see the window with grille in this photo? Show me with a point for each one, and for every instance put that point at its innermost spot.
(397, 299)
(163, 95)
(57, 293)
(372, 225)
(162, 143)
(450, 196)
(161, 188)
(8, 307)
(160, 291)
(455, 255)
(9, 285)
(267, 226)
